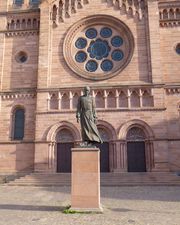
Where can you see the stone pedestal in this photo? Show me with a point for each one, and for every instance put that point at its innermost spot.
(85, 181)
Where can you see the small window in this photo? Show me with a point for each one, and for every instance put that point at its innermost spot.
(18, 2)
(21, 57)
(19, 117)
(178, 48)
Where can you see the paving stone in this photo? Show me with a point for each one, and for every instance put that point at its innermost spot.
(122, 206)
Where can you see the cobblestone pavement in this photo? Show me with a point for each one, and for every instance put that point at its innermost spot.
(122, 206)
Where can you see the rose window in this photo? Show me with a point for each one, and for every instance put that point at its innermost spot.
(99, 48)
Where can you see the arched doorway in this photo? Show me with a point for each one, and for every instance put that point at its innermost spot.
(65, 141)
(136, 154)
(104, 150)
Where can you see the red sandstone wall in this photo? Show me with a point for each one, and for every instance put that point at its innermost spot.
(170, 37)
(16, 157)
(20, 75)
(60, 75)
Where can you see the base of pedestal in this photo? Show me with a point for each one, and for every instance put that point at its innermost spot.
(87, 210)
(85, 180)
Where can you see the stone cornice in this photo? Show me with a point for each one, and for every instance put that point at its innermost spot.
(169, 4)
(100, 87)
(19, 12)
(20, 32)
(17, 95)
(171, 91)
(70, 111)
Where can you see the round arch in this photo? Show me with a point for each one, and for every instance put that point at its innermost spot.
(18, 106)
(108, 128)
(54, 130)
(123, 130)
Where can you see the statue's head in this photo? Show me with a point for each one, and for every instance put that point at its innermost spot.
(86, 90)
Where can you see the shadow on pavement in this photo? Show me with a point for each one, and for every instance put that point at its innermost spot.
(31, 207)
(145, 211)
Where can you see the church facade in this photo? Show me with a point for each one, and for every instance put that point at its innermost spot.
(127, 51)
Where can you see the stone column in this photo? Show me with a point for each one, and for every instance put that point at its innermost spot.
(150, 155)
(129, 98)
(141, 98)
(85, 178)
(105, 99)
(51, 157)
(117, 99)
(71, 100)
(121, 157)
(59, 100)
(48, 102)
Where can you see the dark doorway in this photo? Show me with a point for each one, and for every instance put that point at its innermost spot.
(64, 157)
(104, 157)
(136, 157)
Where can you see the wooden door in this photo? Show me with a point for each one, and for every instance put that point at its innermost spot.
(136, 157)
(64, 157)
(104, 157)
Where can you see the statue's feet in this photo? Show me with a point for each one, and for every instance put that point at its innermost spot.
(87, 144)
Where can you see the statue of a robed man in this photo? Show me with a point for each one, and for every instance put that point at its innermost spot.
(86, 115)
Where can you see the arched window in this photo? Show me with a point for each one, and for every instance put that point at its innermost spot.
(18, 2)
(111, 100)
(165, 14)
(54, 101)
(123, 100)
(147, 100)
(65, 101)
(99, 100)
(171, 14)
(135, 100)
(135, 134)
(177, 13)
(19, 119)
(75, 100)
(64, 136)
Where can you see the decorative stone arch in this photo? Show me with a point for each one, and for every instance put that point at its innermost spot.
(148, 139)
(108, 128)
(135, 123)
(51, 138)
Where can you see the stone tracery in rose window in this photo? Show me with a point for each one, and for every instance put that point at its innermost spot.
(98, 48)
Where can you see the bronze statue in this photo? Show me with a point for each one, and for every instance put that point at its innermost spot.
(86, 115)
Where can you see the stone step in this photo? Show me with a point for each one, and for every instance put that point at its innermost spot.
(107, 179)
(102, 184)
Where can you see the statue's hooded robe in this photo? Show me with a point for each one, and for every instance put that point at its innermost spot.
(87, 115)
